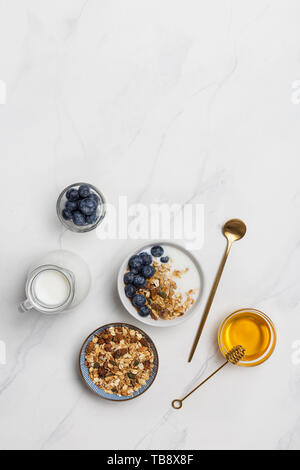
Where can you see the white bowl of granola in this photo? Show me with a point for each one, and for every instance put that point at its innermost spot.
(160, 284)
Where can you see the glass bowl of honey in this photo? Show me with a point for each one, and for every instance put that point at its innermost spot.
(251, 329)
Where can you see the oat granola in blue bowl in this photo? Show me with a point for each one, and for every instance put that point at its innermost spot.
(118, 362)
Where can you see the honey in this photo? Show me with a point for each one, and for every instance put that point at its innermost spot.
(251, 329)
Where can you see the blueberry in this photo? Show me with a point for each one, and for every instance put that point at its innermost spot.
(78, 218)
(130, 290)
(71, 206)
(95, 197)
(72, 194)
(139, 281)
(139, 300)
(135, 262)
(164, 259)
(157, 251)
(84, 191)
(91, 219)
(148, 271)
(67, 215)
(87, 206)
(134, 271)
(144, 311)
(146, 258)
(128, 278)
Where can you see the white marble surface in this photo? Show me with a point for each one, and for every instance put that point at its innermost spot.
(162, 101)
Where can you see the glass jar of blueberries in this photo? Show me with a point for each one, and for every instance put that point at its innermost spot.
(81, 207)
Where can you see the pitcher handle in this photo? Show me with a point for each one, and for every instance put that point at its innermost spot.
(25, 306)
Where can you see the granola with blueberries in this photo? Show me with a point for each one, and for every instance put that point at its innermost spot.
(120, 360)
(150, 284)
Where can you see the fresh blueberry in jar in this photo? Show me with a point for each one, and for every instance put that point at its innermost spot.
(138, 300)
(146, 258)
(71, 206)
(72, 194)
(67, 215)
(78, 218)
(84, 191)
(95, 197)
(135, 262)
(144, 311)
(130, 290)
(139, 281)
(164, 259)
(87, 206)
(128, 278)
(91, 219)
(157, 251)
(148, 271)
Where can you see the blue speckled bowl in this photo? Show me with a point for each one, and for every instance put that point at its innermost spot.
(85, 372)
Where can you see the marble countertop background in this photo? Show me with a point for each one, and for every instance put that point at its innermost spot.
(161, 101)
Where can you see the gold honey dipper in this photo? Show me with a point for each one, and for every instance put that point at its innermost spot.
(234, 356)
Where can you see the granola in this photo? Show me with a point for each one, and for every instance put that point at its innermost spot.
(162, 297)
(154, 286)
(120, 360)
(160, 294)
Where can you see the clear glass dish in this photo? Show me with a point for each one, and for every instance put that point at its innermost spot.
(251, 329)
(69, 224)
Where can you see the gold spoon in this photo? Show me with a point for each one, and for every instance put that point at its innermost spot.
(233, 230)
(234, 356)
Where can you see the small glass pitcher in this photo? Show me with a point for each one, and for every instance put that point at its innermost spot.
(59, 281)
(33, 300)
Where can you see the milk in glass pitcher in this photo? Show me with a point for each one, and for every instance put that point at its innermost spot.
(58, 281)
